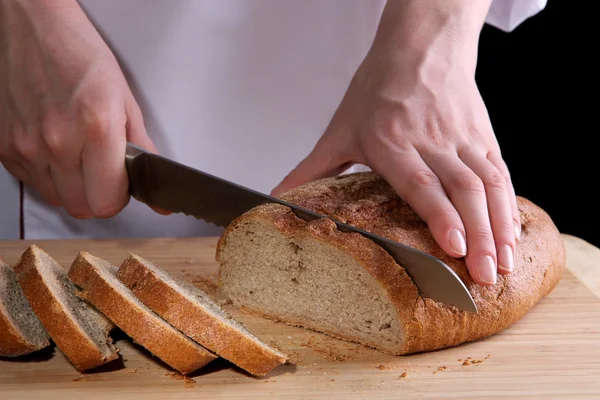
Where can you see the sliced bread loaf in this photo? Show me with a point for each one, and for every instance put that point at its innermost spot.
(193, 312)
(310, 274)
(21, 331)
(100, 286)
(78, 329)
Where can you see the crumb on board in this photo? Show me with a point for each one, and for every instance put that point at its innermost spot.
(330, 349)
(380, 366)
(174, 375)
(188, 382)
(403, 375)
(88, 377)
(131, 370)
(443, 367)
(474, 361)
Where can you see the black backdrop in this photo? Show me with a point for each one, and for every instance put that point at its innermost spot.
(539, 85)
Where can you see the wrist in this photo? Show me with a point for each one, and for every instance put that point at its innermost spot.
(446, 31)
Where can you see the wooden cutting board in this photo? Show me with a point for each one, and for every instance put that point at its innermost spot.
(552, 353)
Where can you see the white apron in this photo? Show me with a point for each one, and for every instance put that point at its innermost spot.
(241, 89)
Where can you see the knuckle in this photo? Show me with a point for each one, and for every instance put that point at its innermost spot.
(25, 148)
(96, 117)
(422, 178)
(54, 140)
(484, 238)
(468, 182)
(445, 219)
(506, 230)
(95, 123)
(494, 180)
(53, 135)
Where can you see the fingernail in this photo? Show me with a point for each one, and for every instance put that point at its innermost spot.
(457, 242)
(517, 230)
(506, 258)
(487, 270)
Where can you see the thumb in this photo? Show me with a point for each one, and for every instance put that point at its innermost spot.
(323, 161)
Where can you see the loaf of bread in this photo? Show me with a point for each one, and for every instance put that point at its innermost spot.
(194, 313)
(78, 329)
(310, 274)
(100, 286)
(21, 331)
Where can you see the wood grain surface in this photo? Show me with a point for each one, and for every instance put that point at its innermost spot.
(552, 353)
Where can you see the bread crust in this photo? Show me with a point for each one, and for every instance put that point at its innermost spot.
(142, 325)
(64, 330)
(12, 343)
(368, 202)
(204, 327)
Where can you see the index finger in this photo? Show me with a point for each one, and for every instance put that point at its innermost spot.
(103, 162)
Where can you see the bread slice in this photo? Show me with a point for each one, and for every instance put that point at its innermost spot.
(100, 286)
(78, 329)
(194, 313)
(21, 332)
(310, 274)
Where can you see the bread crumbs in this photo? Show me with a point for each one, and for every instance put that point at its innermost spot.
(328, 349)
(92, 377)
(188, 382)
(175, 375)
(403, 375)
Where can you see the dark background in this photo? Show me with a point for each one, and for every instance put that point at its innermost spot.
(539, 84)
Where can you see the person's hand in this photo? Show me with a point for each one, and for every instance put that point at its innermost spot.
(414, 115)
(66, 111)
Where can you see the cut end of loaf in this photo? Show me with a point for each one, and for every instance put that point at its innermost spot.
(78, 329)
(21, 332)
(193, 312)
(303, 280)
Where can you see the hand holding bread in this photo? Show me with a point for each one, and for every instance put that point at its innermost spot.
(414, 115)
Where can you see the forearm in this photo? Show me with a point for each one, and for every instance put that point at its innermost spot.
(448, 27)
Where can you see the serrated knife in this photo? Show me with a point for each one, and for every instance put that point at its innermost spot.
(158, 181)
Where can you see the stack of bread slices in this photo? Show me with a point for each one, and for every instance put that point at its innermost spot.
(77, 309)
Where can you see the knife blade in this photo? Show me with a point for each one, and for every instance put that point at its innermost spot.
(158, 181)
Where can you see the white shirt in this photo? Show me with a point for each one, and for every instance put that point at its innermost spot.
(241, 89)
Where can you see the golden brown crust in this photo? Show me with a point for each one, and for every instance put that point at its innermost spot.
(368, 202)
(142, 325)
(66, 333)
(12, 343)
(204, 327)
